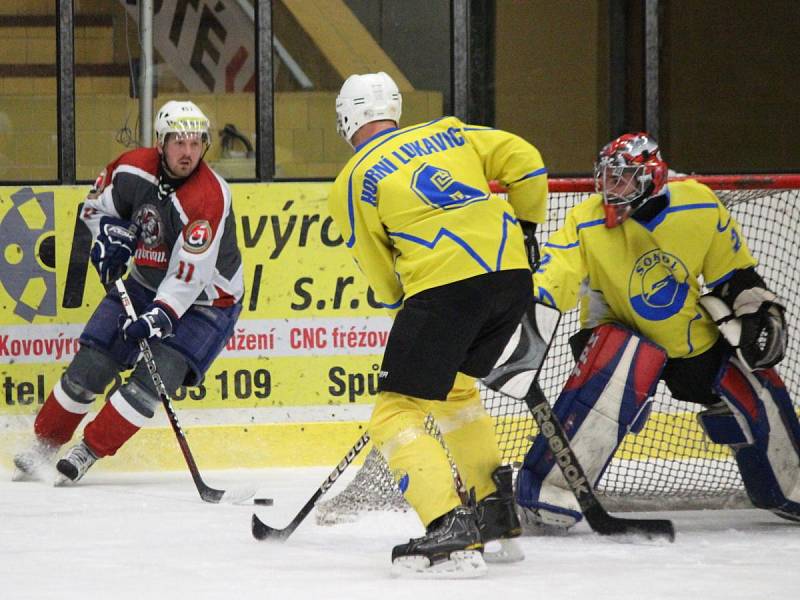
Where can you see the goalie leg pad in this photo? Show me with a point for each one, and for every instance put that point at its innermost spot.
(768, 449)
(605, 396)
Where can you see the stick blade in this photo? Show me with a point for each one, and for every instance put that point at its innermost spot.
(262, 531)
(651, 529)
(211, 495)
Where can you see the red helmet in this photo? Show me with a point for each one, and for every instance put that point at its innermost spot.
(628, 172)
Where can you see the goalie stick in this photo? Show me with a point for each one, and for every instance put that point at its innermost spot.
(521, 364)
(262, 531)
(207, 493)
(597, 516)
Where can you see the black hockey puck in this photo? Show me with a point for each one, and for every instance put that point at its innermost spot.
(263, 501)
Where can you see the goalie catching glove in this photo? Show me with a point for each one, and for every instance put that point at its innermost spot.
(754, 325)
(113, 248)
(156, 321)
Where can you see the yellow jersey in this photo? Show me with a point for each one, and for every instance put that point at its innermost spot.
(414, 205)
(646, 276)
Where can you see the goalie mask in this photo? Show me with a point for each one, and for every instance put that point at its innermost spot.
(628, 172)
(364, 99)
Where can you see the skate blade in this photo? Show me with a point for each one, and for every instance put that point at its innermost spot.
(39, 472)
(21, 475)
(62, 480)
(465, 564)
(786, 515)
(509, 552)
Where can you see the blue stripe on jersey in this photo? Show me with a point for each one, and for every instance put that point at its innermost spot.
(576, 243)
(692, 206)
(594, 223)
(445, 233)
(350, 207)
(395, 305)
(689, 332)
(545, 297)
(723, 279)
(377, 135)
(659, 218)
(507, 218)
(535, 173)
(562, 247)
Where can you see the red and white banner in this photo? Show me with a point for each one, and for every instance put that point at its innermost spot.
(209, 44)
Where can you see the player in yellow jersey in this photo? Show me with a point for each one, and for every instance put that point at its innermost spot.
(636, 254)
(415, 209)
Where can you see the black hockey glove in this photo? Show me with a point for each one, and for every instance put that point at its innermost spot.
(531, 245)
(763, 341)
(155, 322)
(113, 247)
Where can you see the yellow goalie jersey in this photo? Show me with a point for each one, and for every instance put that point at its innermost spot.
(646, 275)
(414, 205)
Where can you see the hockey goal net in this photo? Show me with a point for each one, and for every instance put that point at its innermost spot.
(670, 464)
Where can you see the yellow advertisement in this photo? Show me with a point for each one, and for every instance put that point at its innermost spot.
(306, 349)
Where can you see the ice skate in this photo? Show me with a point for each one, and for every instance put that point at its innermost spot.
(34, 463)
(452, 548)
(75, 464)
(498, 520)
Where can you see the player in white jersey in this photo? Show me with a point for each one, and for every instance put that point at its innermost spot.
(436, 246)
(636, 254)
(165, 208)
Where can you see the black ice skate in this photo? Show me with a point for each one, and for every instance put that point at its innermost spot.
(498, 520)
(452, 548)
(34, 462)
(75, 464)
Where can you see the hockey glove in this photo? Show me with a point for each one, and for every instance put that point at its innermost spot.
(155, 322)
(113, 248)
(763, 341)
(531, 245)
(755, 326)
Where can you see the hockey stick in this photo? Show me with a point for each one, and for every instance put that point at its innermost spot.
(207, 493)
(597, 517)
(520, 368)
(262, 531)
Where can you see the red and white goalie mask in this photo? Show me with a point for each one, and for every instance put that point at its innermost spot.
(628, 172)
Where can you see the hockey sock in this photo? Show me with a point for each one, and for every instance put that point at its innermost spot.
(59, 417)
(114, 425)
(417, 460)
(469, 434)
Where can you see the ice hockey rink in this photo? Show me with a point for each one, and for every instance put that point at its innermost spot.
(148, 535)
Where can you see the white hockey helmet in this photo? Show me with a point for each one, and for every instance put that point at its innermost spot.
(364, 99)
(181, 117)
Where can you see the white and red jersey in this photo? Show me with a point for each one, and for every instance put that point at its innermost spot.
(187, 250)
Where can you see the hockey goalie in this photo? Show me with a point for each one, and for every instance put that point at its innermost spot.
(635, 255)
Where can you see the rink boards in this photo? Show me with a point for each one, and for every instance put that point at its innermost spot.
(295, 384)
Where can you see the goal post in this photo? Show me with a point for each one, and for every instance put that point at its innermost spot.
(670, 464)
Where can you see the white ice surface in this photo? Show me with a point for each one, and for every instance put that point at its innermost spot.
(149, 536)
